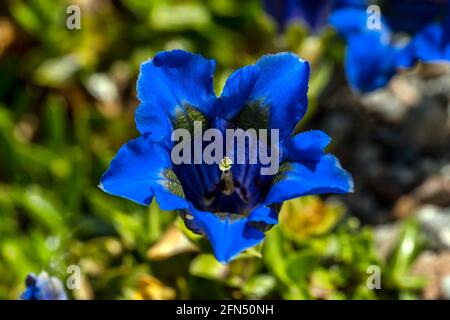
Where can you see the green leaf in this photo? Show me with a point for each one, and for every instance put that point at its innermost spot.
(409, 246)
(300, 265)
(275, 255)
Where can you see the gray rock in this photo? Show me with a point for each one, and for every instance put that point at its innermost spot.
(435, 222)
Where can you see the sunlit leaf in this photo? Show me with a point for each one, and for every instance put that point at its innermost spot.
(206, 266)
(172, 242)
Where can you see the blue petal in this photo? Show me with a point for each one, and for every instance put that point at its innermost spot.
(313, 13)
(276, 93)
(29, 294)
(228, 234)
(141, 170)
(168, 83)
(432, 44)
(298, 179)
(50, 289)
(236, 91)
(307, 146)
(43, 287)
(406, 57)
(338, 4)
(370, 62)
(351, 22)
(267, 215)
(283, 86)
(153, 119)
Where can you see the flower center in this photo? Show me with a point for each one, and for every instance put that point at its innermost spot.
(226, 183)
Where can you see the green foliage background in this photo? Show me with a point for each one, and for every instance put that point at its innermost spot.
(67, 99)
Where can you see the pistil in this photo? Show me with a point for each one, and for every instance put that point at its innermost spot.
(226, 183)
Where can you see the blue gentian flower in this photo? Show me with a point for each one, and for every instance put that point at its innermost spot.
(43, 287)
(432, 43)
(175, 89)
(313, 13)
(411, 31)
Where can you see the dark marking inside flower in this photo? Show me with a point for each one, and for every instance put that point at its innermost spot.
(231, 216)
(282, 172)
(185, 118)
(254, 115)
(173, 184)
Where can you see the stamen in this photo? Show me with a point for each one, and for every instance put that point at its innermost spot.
(225, 164)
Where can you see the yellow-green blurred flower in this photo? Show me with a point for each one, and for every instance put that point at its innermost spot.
(309, 216)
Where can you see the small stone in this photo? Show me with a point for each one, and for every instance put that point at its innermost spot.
(435, 222)
(435, 267)
(405, 207)
(435, 190)
(445, 286)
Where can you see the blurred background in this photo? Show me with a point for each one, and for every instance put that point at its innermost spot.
(67, 102)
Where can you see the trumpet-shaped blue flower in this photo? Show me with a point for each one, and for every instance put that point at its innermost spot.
(234, 210)
(43, 287)
(411, 31)
(313, 13)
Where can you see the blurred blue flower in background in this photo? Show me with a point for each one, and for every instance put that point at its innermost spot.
(43, 287)
(313, 13)
(175, 89)
(410, 31)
